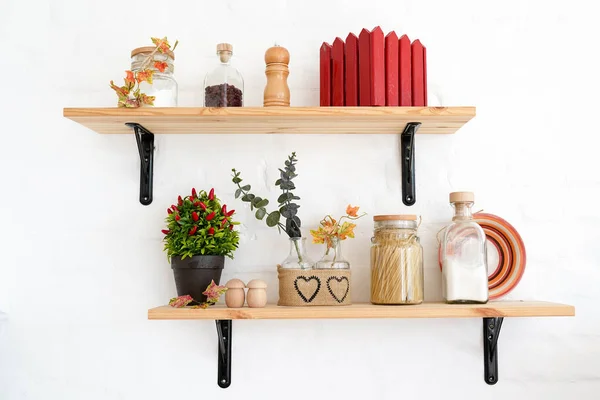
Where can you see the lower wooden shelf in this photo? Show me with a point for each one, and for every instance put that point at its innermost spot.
(425, 310)
(492, 315)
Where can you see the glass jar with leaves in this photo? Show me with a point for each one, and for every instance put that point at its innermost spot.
(288, 209)
(331, 233)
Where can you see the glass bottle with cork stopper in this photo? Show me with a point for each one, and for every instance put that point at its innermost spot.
(224, 86)
(464, 257)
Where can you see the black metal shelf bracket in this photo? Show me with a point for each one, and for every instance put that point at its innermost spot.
(407, 154)
(145, 144)
(224, 358)
(491, 333)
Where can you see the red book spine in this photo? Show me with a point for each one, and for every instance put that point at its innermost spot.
(425, 74)
(337, 55)
(377, 68)
(417, 74)
(325, 74)
(392, 97)
(364, 68)
(351, 65)
(405, 68)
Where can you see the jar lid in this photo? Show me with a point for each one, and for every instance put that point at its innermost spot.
(398, 217)
(224, 47)
(462, 197)
(150, 49)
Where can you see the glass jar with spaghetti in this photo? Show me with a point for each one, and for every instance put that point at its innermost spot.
(396, 261)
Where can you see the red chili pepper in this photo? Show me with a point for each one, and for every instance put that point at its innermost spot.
(175, 208)
(193, 230)
(166, 231)
(211, 231)
(230, 213)
(194, 194)
(197, 204)
(230, 227)
(211, 195)
(201, 204)
(177, 217)
(223, 223)
(224, 209)
(210, 216)
(169, 211)
(179, 200)
(195, 216)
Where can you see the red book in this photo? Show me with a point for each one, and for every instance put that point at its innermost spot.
(377, 68)
(337, 80)
(405, 68)
(325, 74)
(418, 86)
(425, 73)
(392, 97)
(364, 68)
(351, 65)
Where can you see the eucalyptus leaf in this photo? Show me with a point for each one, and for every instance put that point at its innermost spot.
(261, 204)
(248, 197)
(237, 193)
(260, 213)
(246, 187)
(273, 219)
(284, 197)
(236, 180)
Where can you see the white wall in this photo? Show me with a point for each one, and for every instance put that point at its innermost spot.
(82, 260)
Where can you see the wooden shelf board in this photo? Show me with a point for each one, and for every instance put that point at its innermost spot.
(278, 120)
(425, 310)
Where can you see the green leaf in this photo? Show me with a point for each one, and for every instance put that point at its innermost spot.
(248, 197)
(246, 188)
(278, 182)
(237, 193)
(236, 180)
(261, 204)
(273, 219)
(256, 200)
(260, 213)
(285, 197)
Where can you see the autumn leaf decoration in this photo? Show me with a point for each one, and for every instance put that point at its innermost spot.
(330, 228)
(130, 94)
(212, 293)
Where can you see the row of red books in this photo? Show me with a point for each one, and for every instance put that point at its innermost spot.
(373, 70)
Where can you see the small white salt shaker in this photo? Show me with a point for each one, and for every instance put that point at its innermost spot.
(235, 296)
(257, 293)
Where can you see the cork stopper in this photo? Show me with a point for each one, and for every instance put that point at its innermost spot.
(399, 217)
(224, 50)
(278, 55)
(462, 197)
(148, 50)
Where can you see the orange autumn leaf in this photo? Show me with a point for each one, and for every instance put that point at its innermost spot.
(162, 44)
(145, 75)
(121, 91)
(130, 78)
(160, 65)
(148, 100)
(352, 211)
(346, 230)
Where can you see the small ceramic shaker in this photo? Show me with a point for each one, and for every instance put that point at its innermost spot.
(257, 293)
(235, 296)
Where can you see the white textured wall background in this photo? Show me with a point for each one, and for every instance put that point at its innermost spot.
(82, 259)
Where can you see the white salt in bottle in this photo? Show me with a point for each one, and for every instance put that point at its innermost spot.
(464, 258)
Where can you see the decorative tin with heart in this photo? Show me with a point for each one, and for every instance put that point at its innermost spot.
(316, 287)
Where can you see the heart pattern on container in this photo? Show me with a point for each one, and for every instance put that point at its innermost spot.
(307, 287)
(338, 287)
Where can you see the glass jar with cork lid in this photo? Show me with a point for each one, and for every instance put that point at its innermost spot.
(224, 85)
(396, 261)
(463, 254)
(163, 86)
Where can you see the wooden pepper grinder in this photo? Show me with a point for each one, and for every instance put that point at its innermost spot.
(277, 92)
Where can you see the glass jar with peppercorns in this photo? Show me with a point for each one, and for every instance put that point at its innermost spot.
(224, 86)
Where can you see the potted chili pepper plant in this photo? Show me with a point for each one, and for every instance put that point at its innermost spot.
(199, 234)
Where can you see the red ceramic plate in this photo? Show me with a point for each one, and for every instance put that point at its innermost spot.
(503, 240)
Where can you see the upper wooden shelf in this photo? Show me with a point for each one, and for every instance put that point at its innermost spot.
(273, 119)
(425, 310)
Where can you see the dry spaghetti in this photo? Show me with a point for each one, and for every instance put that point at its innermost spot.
(396, 261)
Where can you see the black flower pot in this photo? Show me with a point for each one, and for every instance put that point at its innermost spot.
(194, 274)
